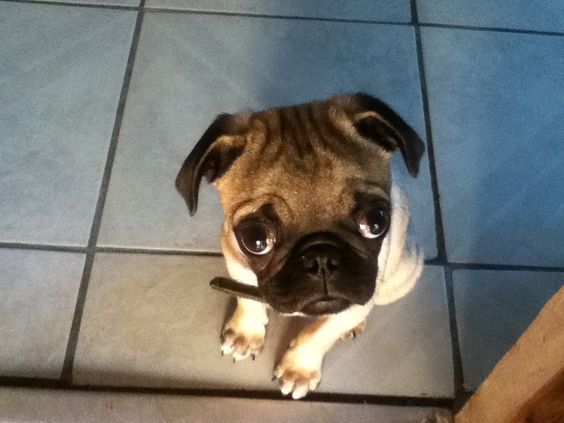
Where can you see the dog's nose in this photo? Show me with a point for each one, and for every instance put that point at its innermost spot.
(321, 261)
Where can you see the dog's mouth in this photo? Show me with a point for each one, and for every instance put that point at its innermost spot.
(325, 305)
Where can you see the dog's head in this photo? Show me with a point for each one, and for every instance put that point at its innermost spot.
(306, 196)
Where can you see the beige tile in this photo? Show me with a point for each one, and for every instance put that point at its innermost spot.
(405, 351)
(68, 406)
(152, 320)
(38, 292)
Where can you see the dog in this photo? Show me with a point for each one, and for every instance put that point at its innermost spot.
(312, 217)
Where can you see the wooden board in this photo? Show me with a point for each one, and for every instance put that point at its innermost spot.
(527, 385)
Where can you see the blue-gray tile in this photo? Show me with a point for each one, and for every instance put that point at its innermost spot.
(189, 68)
(61, 75)
(546, 15)
(497, 114)
(170, 322)
(493, 309)
(38, 292)
(370, 10)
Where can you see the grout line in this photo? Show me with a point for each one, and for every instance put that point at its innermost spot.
(435, 261)
(461, 401)
(439, 229)
(149, 9)
(458, 378)
(63, 3)
(42, 247)
(458, 372)
(169, 252)
(23, 382)
(68, 362)
(30, 382)
(269, 16)
(504, 267)
(66, 374)
(492, 29)
(178, 252)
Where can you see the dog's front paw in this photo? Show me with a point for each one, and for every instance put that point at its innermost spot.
(299, 372)
(242, 338)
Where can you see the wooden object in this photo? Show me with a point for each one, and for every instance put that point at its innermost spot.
(527, 385)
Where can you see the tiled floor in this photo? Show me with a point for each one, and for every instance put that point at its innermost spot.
(21, 405)
(103, 277)
(157, 343)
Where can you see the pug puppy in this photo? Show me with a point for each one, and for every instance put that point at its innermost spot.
(312, 217)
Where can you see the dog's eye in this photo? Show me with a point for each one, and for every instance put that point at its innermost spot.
(256, 238)
(374, 222)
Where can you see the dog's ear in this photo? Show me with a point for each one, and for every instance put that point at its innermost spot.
(375, 120)
(222, 143)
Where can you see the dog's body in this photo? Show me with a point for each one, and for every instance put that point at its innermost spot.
(312, 218)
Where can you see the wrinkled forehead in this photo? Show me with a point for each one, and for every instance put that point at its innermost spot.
(303, 161)
(308, 207)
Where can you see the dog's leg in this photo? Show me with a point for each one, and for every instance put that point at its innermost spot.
(299, 371)
(243, 335)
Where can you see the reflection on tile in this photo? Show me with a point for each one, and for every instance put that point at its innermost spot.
(374, 10)
(38, 292)
(191, 67)
(153, 321)
(61, 71)
(493, 309)
(546, 15)
(497, 116)
(70, 406)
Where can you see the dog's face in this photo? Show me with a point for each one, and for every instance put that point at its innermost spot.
(306, 196)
